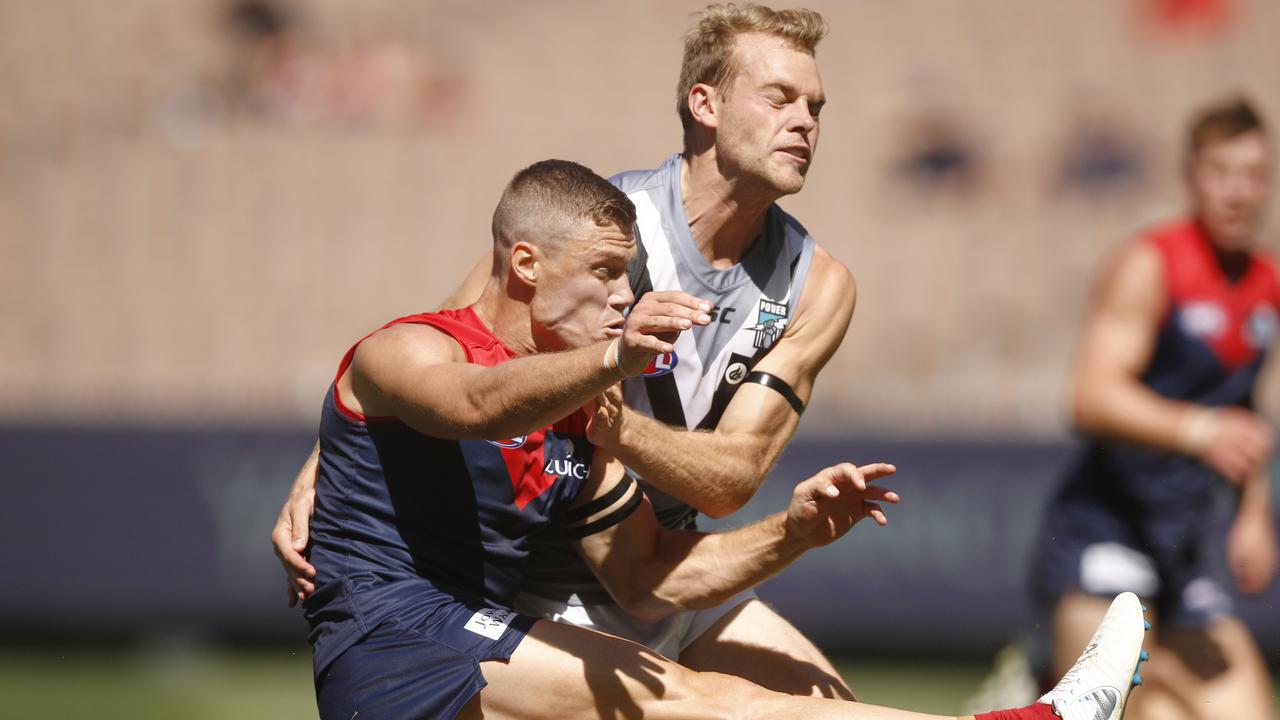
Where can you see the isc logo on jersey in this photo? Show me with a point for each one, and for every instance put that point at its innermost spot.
(661, 365)
(511, 444)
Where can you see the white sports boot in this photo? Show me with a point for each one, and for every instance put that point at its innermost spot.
(1097, 686)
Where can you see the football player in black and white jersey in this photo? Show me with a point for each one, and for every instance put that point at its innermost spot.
(703, 429)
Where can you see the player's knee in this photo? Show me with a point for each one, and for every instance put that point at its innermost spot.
(726, 696)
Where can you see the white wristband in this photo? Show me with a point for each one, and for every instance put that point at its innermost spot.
(612, 360)
(1197, 429)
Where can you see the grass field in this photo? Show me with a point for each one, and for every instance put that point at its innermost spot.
(196, 684)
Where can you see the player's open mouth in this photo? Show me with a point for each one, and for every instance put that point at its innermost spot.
(614, 330)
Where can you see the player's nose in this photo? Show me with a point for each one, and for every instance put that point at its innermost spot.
(620, 295)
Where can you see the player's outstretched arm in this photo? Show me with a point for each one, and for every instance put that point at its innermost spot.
(652, 571)
(421, 376)
(1109, 398)
(718, 471)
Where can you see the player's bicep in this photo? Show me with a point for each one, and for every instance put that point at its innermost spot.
(419, 375)
(766, 405)
(1120, 332)
(819, 325)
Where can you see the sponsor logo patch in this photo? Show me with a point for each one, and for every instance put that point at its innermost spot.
(1203, 319)
(735, 373)
(771, 321)
(511, 444)
(1261, 327)
(661, 365)
(490, 622)
(566, 467)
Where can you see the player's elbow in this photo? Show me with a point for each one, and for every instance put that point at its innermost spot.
(641, 602)
(728, 496)
(725, 504)
(1088, 406)
(650, 611)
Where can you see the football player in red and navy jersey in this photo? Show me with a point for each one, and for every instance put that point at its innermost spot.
(1164, 388)
(451, 442)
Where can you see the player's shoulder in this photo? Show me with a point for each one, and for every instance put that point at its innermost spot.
(412, 339)
(831, 284)
(637, 181)
(1135, 271)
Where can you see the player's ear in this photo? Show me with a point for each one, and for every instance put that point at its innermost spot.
(524, 263)
(704, 105)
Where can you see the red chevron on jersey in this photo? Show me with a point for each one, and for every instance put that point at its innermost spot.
(1235, 320)
(525, 464)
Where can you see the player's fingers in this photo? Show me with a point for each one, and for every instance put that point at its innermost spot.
(876, 492)
(819, 485)
(677, 297)
(667, 309)
(662, 324)
(613, 394)
(650, 344)
(844, 475)
(875, 512)
(875, 471)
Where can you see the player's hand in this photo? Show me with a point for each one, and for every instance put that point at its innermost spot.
(289, 538)
(605, 424)
(829, 504)
(1240, 445)
(653, 324)
(1251, 550)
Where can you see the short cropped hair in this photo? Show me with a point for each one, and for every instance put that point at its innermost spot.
(545, 202)
(1223, 121)
(708, 46)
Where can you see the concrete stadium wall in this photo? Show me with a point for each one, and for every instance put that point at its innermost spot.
(130, 534)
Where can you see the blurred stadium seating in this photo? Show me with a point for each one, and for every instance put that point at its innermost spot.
(203, 202)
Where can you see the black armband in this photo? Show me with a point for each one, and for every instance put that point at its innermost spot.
(583, 514)
(778, 385)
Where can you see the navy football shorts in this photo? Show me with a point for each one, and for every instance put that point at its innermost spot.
(426, 669)
(1089, 547)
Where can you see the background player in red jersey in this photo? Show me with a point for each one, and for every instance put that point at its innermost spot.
(1164, 385)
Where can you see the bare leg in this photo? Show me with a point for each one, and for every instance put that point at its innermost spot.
(564, 672)
(756, 643)
(1216, 672)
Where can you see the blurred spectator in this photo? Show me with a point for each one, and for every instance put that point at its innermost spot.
(281, 72)
(1100, 157)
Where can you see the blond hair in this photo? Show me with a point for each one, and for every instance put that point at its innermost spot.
(708, 46)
